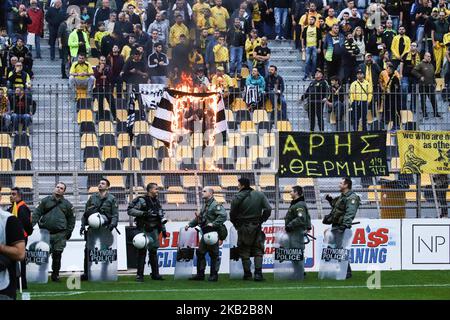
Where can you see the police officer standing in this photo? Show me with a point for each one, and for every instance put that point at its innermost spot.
(297, 221)
(104, 203)
(149, 218)
(342, 214)
(211, 218)
(249, 210)
(20, 209)
(55, 214)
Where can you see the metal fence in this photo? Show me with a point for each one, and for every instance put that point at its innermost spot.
(75, 139)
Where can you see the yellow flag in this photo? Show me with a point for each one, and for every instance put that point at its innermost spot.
(14, 209)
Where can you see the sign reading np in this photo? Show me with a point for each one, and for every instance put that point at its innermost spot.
(339, 154)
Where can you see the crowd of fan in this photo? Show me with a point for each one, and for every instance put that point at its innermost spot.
(377, 54)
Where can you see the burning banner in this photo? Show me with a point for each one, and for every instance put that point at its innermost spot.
(180, 111)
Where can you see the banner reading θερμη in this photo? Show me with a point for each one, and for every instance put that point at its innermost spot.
(424, 152)
(332, 154)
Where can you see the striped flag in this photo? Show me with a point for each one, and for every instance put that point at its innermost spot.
(161, 128)
(131, 115)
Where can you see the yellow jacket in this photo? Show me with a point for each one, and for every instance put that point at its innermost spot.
(395, 46)
(361, 91)
(221, 53)
(224, 82)
(175, 32)
(250, 46)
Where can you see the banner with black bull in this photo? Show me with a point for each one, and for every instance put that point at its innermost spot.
(332, 154)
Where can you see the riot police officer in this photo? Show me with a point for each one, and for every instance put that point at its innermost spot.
(297, 222)
(249, 210)
(104, 203)
(55, 214)
(149, 218)
(343, 212)
(211, 218)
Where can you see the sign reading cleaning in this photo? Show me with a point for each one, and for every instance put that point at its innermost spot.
(315, 155)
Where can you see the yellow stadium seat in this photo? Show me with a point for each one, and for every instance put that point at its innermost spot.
(389, 140)
(105, 105)
(245, 72)
(267, 180)
(131, 164)
(268, 140)
(5, 140)
(184, 152)
(93, 61)
(228, 181)
(234, 140)
(85, 115)
(110, 152)
(5, 200)
(147, 152)
(123, 140)
(5, 165)
(257, 152)
(395, 164)
(206, 164)
(248, 127)
(175, 195)
(220, 152)
(406, 116)
(372, 196)
(93, 164)
(93, 190)
(24, 182)
(89, 140)
(158, 143)
(425, 180)
(303, 182)
(238, 104)
(22, 152)
(260, 115)
(284, 126)
(229, 115)
(286, 194)
(122, 115)
(440, 84)
(191, 181)
(169, 164)
(153, 179)
(196, 140)
(140, 127)
(105, 127)
(151, 115)
(244, 164)
(116, 181)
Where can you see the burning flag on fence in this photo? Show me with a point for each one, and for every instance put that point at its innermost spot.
(173, 104)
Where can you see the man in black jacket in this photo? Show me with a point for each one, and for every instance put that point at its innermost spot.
(54, 17)
(101, 14)
(275, 90)
(20, 210)
(236, 39)
(317, 94)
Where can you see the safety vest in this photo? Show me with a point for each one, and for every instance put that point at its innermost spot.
(15, 212)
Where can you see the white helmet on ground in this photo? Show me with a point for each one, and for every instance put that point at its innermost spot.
(141, 241)
(211, 238)
(96, 220)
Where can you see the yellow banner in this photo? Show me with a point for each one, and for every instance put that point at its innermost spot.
(424, 151)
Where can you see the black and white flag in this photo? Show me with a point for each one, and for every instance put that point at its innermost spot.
(161, 128)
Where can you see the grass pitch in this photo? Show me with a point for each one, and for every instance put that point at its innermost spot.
(394, 285)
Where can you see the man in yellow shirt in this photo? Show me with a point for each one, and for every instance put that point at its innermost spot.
(223, 82)
(401, 45)
(361, 93)
(221, 55)
(176, 30)
(82, 74)
(198, 10)
(331, 19)
(220, 16)
(312, 12)
(206, 21)
(251, 43)
(126, 49)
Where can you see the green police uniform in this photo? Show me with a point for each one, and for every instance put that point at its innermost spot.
(106, 206)
(297, 221)
(214, 213)
(58, 217)
(249, 209)
(343, 212)
(148, 214)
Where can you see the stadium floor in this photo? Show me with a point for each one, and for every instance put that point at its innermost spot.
(418, 285)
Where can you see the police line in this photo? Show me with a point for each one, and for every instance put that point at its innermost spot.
(377, 244)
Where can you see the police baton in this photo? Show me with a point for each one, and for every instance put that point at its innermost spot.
(356, 223)
(117, 230)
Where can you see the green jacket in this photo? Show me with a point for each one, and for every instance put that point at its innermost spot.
(73, 42)
(249, 205)
(344, 209)
(109, 208)
(60, 218)
(297, 216)
(147, 217)
(212, 212)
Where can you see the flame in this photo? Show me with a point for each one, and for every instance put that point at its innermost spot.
(209, 104)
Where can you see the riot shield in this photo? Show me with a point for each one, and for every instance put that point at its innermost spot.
(37, 254)
(289, 256)
(335, 254)
(187, 243)
(102, 254)
(236, 269)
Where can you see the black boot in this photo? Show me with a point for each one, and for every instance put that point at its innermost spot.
(140, 265)
(198, 277)
(246, 264)
(155, 267)
(213, 277)
(349, 272)
(84, 276)
(56, 265)
(258, 274)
